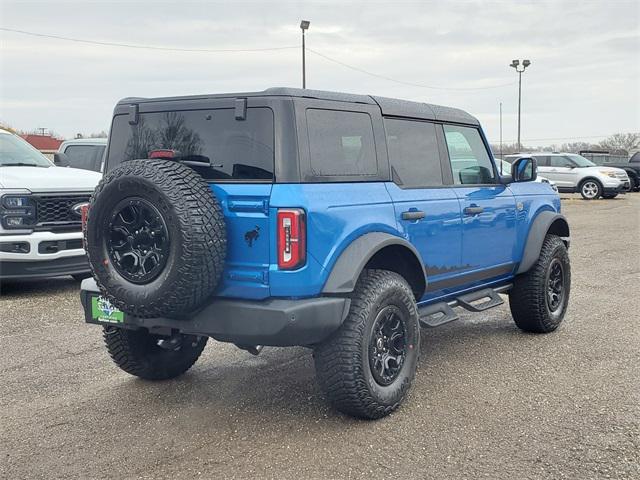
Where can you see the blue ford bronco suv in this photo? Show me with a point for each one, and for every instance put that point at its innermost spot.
(338, 222)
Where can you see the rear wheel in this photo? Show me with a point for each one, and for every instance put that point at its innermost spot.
(590, 189)
(139, 353)
(539, 297)
(367, 366)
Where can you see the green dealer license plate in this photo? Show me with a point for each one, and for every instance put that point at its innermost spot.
(103, 311)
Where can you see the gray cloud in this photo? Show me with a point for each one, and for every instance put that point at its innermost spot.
(584, 79)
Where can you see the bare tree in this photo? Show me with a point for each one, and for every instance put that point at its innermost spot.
(622, 143)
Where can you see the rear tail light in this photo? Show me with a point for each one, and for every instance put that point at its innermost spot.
(292, 238)
(84, 212)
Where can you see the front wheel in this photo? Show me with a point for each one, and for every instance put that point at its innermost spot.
(539, 297)
(140, 353)
(366, 368)
(590, 189)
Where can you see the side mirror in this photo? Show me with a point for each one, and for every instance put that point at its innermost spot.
(525, 169)
(61, 159)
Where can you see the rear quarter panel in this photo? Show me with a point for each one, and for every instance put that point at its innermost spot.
(337, 213)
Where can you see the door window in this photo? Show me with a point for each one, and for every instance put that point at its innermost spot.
(341, 143)
(413, 153)
(542, 160)
(560, 162)
(470, 161)
(87, 157)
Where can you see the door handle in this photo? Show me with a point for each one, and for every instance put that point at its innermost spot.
(413, 215)
(474, 210)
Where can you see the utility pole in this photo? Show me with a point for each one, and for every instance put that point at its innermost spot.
(516, 64)
(304, 25)
(501, 138)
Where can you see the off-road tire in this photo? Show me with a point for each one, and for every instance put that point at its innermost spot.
(590, 181)
(196, 230)
(528, 299)
(137, 353)
(342, 362)
(633, 184)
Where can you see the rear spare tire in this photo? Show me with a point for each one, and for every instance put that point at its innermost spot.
(156, 238)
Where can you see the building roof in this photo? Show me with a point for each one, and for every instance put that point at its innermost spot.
(388, 106)
(42, 142)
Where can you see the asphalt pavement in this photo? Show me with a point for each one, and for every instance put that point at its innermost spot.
(488, 401)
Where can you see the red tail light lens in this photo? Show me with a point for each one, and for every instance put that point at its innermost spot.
(162, 153)
(84, 211)
(292, 238)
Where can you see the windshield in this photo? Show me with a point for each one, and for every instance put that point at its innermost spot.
(15, 152)
(580, 161)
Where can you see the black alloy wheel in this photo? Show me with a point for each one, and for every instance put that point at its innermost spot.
(138, 240)
(388, 345)
(555, 285)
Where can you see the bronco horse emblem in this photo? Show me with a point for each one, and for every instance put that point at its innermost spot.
(251, 236)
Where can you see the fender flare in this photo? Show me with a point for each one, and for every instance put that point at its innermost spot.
(353, 259)
(544, 222)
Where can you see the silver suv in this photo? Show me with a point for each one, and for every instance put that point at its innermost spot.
(574, 173)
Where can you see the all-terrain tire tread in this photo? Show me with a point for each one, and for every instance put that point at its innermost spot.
(338, 361)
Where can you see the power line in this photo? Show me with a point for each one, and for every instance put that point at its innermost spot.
(238, 50)
(402, 82)
(146, 47)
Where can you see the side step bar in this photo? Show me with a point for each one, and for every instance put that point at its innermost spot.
(440, 313)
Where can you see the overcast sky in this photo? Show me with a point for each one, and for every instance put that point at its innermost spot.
(583, 83)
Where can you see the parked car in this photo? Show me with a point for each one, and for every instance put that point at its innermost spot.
(40, 213)
(632, 167)
(574, 173)
(506, 169)
(84, 153)
(337, 222)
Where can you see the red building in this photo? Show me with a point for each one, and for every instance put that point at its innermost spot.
(45, 143)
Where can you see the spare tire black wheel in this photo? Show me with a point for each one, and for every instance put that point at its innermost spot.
(156, 238)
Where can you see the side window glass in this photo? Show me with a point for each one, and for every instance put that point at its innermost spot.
(341, 143)
(560, 162)
(469, 158)
(81, 156)
(413, 153)
(542, 160)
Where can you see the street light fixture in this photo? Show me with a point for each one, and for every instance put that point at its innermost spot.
(304, 25)
(516, 64)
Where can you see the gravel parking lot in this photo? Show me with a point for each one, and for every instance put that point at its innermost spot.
(488, 400)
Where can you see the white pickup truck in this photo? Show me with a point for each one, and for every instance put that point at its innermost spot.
(40, 213)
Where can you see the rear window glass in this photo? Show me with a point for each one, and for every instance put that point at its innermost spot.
(212, 142)
(341, 143)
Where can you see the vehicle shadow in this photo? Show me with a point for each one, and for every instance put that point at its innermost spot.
(227, 382)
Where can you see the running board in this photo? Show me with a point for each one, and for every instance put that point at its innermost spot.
(440, 313)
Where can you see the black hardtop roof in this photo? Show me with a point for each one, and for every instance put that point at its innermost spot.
(388, 106)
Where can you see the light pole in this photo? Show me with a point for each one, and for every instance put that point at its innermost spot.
(304, 25)
(519, 68)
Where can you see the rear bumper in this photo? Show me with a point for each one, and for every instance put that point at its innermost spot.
(44, 268)
(274, 322)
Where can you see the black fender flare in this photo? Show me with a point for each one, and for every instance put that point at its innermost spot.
(545, 222)
(354, 258)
